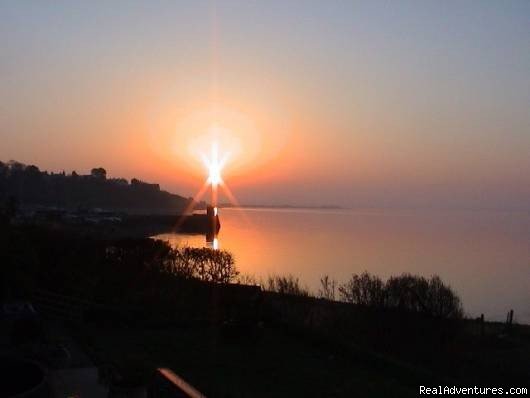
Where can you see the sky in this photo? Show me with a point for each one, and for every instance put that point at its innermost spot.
(369, 104)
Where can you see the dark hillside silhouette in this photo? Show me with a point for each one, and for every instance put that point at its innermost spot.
(32, 187)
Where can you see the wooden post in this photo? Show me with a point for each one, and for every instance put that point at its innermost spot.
(166, 383)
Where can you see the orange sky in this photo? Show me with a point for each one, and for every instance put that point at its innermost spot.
(355, 105)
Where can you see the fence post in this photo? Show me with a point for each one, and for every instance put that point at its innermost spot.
(510, 318)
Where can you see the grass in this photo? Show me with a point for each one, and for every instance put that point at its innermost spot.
(274, 365)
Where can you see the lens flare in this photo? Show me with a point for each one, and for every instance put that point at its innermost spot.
(214, 166)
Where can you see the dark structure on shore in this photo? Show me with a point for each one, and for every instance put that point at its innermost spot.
(98, 205)
(214, 225)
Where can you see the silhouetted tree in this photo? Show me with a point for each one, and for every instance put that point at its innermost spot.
(327, 288)
(441, 301)
(32, 171)
(31, 186)
(120, 181)
(406, 292)
(364, 289)
(208, 265)
(15, 166)
(286, 285)
(100, 173)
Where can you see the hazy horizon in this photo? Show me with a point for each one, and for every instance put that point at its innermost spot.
(409, 104)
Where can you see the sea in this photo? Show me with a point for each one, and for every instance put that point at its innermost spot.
(483, 255)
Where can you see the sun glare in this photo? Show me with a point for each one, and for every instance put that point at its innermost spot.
(214, 165)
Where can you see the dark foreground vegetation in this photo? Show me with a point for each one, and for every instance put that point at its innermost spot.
(407, 293)
(137, 304)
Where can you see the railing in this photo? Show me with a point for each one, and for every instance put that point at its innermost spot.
(166, 384)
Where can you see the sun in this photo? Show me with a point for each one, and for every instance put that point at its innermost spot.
(214, 165)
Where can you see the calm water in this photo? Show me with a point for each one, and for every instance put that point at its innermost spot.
(484, 256)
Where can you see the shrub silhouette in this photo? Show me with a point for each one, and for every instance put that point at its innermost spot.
(406, 292)
(327, 288)
(364, 289)
(441, 301)
(286, 285)
(208, 265)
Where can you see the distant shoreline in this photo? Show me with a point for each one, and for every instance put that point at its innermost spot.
(420, 209)
(262, 206)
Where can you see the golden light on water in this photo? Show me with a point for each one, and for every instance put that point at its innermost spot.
(214, 165)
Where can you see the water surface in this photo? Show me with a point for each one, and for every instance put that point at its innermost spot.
(483, 255)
